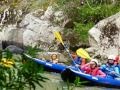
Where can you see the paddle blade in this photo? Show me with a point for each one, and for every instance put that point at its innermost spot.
(58, 37)
(82, 53)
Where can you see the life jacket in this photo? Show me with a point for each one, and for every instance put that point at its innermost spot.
(78, 60)
(108, 69)
(93, 72)
(111, 68)
(116, 60)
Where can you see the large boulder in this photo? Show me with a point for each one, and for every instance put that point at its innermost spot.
(38, 30)
(35, 29)
(14, 49)
(1, 38)
(10, 34)
(0, 44)
(104, 37)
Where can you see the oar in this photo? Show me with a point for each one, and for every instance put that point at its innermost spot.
(59, 38)
(83, 54)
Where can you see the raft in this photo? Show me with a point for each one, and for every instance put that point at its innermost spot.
(48, 65)
(71, 73)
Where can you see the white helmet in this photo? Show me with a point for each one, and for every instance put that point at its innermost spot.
(112, 57)
(95, 60)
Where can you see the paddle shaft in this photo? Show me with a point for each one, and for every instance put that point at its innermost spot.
(59, 38)
(70, 56)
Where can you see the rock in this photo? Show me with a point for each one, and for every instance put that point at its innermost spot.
(39, 32)
(47, 56)
(61, 19)
(1, 38)
(14, 49)
(35, 29)
(68, 23)
(105, 36)
(48, 13)
(10, 34)
(59, 16)
(0, 45)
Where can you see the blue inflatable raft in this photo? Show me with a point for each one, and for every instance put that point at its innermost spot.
(71, 73)
(49, 65)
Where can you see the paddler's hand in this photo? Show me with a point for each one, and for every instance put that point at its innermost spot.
(112, 72)
(77, 65)
(91, 62)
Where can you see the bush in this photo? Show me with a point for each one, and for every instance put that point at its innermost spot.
(87, 14)
(82, 30)
(19, 73)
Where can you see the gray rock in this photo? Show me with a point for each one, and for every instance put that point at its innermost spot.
(36, 29)
(12, 33)
(1, 36)
(48, 15)
(39, 31)
(0, 45)
(105, 36)
(59, 16)
(14, 49)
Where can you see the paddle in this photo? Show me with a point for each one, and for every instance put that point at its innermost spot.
(82, 53)
(59, 38)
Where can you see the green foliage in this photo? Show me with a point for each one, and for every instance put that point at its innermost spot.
(33, 51)
(82, 30)
(87, 13)
(79, 83)
(7, 54)
(99, 12)
(19, 73)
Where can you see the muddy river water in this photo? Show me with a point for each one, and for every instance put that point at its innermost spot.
(56, 83)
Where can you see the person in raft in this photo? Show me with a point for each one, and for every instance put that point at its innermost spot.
(93, 69)
(77, 60)
(110, 68)
(54, 58)
(117, 60)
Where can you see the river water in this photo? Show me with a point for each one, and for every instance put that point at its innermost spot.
(56, 83)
